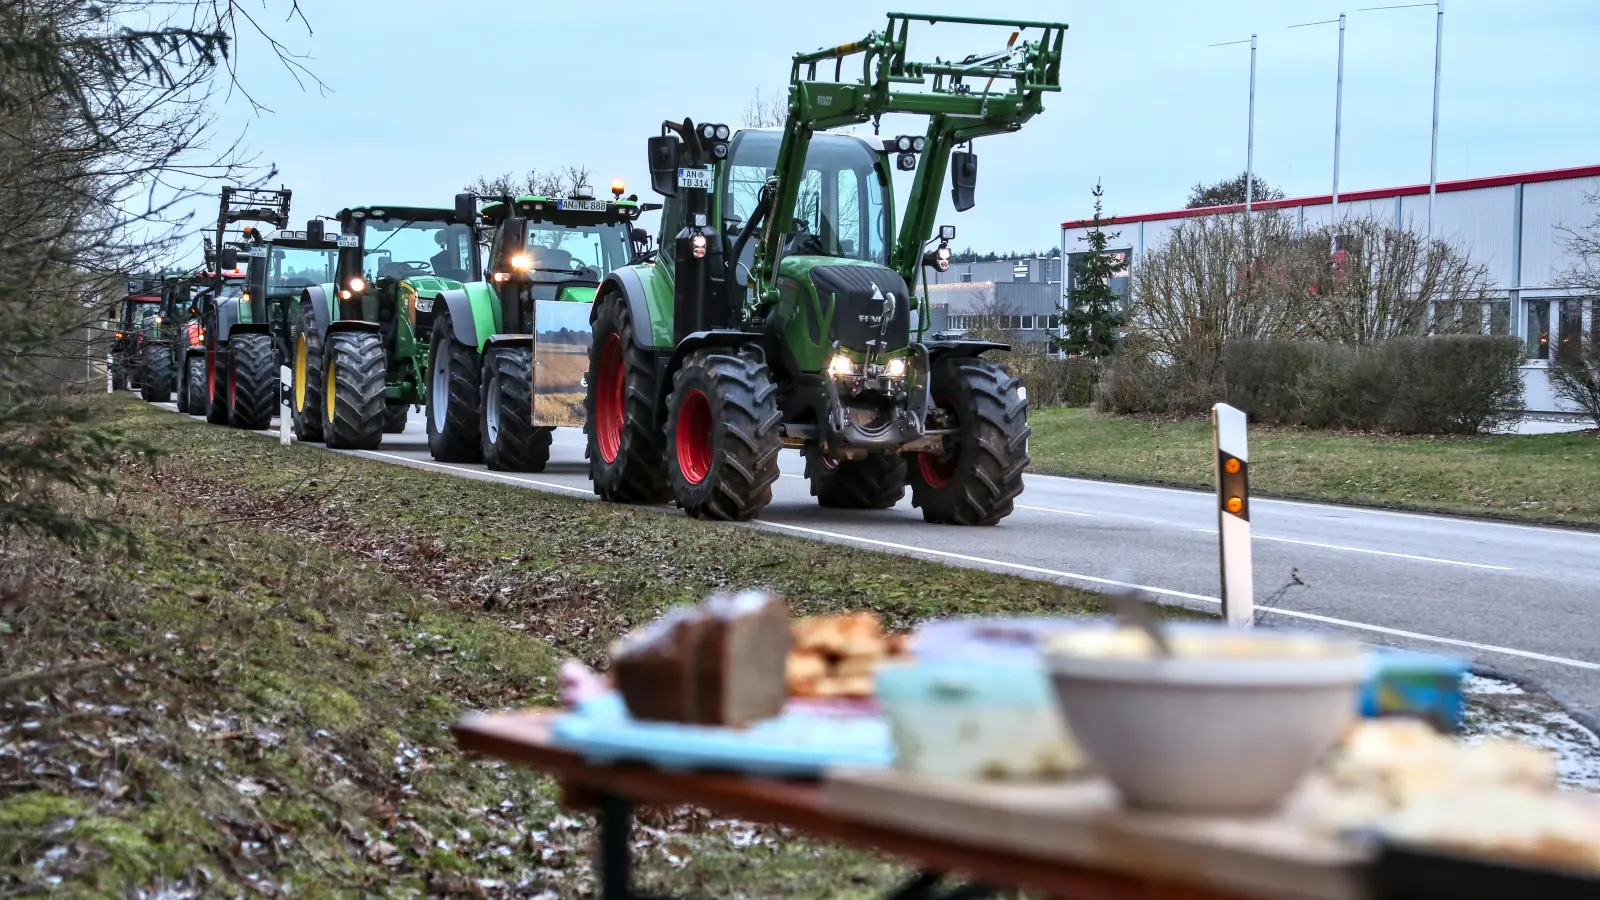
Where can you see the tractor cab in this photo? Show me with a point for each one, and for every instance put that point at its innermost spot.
(392, 257)
(554, 249)
(282, 268)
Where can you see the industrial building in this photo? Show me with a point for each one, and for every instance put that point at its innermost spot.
(1021, 296)
(1515, 225)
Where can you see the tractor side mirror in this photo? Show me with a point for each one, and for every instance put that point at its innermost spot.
(664, 165)
(466, 208)
(639, 236)
(963, 179)
(228, 258)
(314, 231)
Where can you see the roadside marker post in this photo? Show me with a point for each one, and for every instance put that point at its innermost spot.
(285, 384)
(111, 386)
(1233, 515)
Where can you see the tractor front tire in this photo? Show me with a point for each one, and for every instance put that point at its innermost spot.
(306, 400)
(353, 377)
(453, 395)
(119, 377)
(155, 383)
(511, 443)
(626, 449)
(723, 427)
(394, 418)
(876, 482)
(252, 381)
(975, 481)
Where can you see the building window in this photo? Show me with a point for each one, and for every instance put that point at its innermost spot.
(966, 277)
(1538, 329)
(1055, 322)
(1571, 332)
(1027, 323)
(1499, 316)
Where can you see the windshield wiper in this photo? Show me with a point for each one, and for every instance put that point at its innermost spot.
(403, 227)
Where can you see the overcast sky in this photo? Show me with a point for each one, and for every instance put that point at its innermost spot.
(422, 96)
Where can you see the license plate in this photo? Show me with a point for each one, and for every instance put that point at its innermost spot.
(349, 240)
(258, 251)
(582, 205)
(695, 178)
(424, 304)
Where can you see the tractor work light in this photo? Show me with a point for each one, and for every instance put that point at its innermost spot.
(617, 187)
(941, 258)
(903, 143)
(719, 150)
(357, 284)
(896, 367)
(502, 277)
(917, 143)
(722, 132)
(698, 245)
(947, 232)
(521, 261)
(344, 295)
(906, 162)
(841, 365)
(708, 131)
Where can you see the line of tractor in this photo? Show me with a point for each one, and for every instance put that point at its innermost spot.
(778, 306)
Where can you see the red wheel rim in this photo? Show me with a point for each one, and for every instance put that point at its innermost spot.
(938, 470)
(693, 437)
(610, 399)
(211, 376)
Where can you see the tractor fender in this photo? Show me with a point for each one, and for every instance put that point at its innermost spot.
(462, 325)
(227, 312)
(700, 340)
(316, 297)
(626, 282)
(938, 350)
(507, 340)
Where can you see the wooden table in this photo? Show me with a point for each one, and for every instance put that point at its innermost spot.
(612, 791)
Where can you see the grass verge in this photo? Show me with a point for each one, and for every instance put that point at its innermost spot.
(257, 701)
(1544, 478)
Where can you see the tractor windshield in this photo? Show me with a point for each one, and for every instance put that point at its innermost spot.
(402, 249)
(841, 211)
(145, 310)
(590, 252)
(294, 268)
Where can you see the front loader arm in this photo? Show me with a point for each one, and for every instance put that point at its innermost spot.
(957, 111)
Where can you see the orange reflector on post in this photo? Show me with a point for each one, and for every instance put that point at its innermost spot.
(1235, 504)
(1232, 468)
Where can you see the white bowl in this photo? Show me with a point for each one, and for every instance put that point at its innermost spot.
(1230, 724)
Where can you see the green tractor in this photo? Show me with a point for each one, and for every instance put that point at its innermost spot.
(780, 309)
(361, 351)
(546, 259)
(139, 356)
(280, 268)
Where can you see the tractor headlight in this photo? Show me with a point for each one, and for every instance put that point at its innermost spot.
(521, 261)
(906, 162)
(903, 143)
(698, 246)
(841, 365)
(358, 284)
(722, 132)
(896, 367)
(158, 320)
(917, 143)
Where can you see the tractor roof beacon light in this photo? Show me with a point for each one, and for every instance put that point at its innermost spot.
(617, 187)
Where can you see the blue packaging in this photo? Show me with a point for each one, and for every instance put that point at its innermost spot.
(1412, 683)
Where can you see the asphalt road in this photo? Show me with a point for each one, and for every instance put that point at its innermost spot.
(1522, 600)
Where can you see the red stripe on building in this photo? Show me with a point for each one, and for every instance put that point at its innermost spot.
(1465, 184)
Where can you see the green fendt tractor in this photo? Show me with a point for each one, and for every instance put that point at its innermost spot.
(546, 258)
(241, 361)
(361, 352)
(781, 305)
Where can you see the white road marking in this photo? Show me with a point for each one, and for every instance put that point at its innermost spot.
(1167, 592)
(1458, 519)
(1412, 556)
(455, 468)
(1060, 512)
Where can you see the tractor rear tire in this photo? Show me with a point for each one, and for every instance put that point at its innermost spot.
(354, 377)
(626, 449)
(511, 443)
(394, 418)
(306, 399)
(194, 385)
(252, 381)
(877, 482)
(975, 482)
(723, 426)
(119, 377)
(453, 395)
(155, 384)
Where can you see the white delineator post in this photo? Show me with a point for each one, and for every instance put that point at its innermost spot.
(110, 385)
(1233, 515)
(285, 385)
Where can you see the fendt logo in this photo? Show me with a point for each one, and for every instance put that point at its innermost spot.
(887, 311)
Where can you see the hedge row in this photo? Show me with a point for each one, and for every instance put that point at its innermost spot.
(1458, 384)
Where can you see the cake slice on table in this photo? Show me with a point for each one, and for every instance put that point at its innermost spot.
(720, 663)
